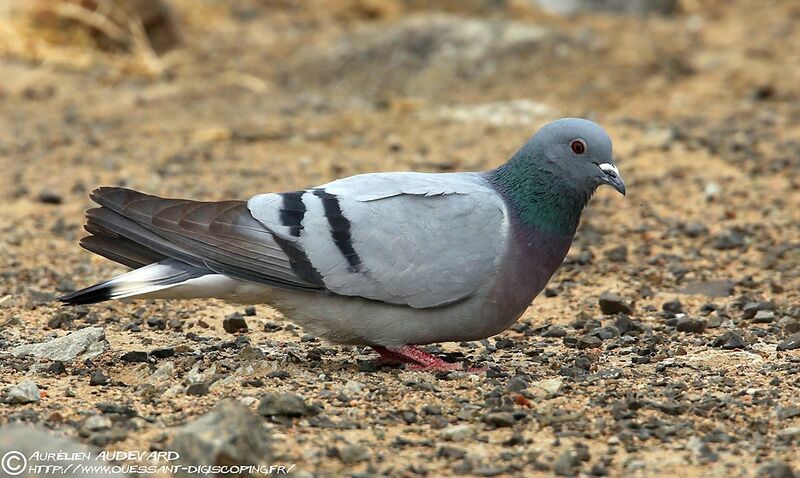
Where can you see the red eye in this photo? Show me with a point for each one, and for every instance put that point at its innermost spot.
(578, 146)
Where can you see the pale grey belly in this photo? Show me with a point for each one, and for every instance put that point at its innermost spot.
(357, 321)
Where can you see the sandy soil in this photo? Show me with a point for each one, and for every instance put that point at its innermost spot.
(703, 106)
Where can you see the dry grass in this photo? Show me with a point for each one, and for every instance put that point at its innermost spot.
(79, 35)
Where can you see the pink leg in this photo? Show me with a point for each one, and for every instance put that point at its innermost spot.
(419, 360)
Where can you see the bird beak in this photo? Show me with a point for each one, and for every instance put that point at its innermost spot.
(611, 177)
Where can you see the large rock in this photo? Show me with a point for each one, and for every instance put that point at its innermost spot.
(24, 392)
(231, 434)
(86, 343)
(23, 446)
(422, 55)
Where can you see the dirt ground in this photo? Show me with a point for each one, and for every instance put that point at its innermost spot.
(703, 106)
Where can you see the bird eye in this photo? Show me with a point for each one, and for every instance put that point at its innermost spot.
(578, 146)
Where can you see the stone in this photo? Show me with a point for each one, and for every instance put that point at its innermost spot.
(231, 434)
(285, 404)
(790, 343)
(670, 407)
(85, 343)
(98, 378)
(784, 413)
(775, 469)
(516, 385)
(791, 324)
(104, 438)
(695, 229)
(42, 447)
(618, 254)
(689, 324)
(50, 197)
(729, 240)
(545, 387)
(164, 373)
(22, 393)
(589, 342)
(701, 450)
(499, 419)
(605, 333)
(612, 303)
(728, 341)
(197, 389)
(673, 306)
(95, 423)
(457, 432)
(234, 323)
(350, 453)
(751, 309)
(117, 409)
(764, 317)
(57, 368)
(627, 326)
(567, 464)
(163, 352)
(450, 452)
(134, 357)
(554, 331)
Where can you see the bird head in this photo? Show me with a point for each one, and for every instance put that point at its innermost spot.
(579, 151)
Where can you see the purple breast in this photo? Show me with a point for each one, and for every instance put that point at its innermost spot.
(532, 258)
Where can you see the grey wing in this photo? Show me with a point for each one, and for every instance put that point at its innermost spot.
(137, 229)
(422, 240)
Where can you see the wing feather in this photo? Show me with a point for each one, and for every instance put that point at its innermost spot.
(221, 236)
(421, 240)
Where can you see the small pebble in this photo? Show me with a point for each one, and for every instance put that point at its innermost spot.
(134, 357)
(98, 378)
(234, 323)
(688, 324)
(612, 303)
(728, 341)
(198, 389)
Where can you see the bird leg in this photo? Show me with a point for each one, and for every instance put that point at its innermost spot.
(419, 360)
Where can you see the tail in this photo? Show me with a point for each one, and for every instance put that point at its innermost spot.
(181, 248)
(150, 280)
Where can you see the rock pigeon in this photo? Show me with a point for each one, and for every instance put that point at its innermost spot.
(388, 260)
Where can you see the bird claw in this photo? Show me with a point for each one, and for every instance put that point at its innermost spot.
(418, 360)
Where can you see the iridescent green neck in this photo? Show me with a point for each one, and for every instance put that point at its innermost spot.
(539, 195)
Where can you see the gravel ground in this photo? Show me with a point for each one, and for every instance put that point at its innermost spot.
(666, 343)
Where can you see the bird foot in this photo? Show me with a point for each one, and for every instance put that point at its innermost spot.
(419, 360)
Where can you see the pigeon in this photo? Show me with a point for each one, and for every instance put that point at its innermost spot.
(387, 260)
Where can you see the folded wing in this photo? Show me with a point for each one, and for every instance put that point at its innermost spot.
(136, 229)
(421, 240)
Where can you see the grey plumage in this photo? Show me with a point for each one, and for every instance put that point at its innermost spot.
(410, 259)
(382, 259)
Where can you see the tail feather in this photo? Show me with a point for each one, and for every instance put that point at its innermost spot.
(111, 224)
(142, 281)
(120, 249)
(182, 249)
